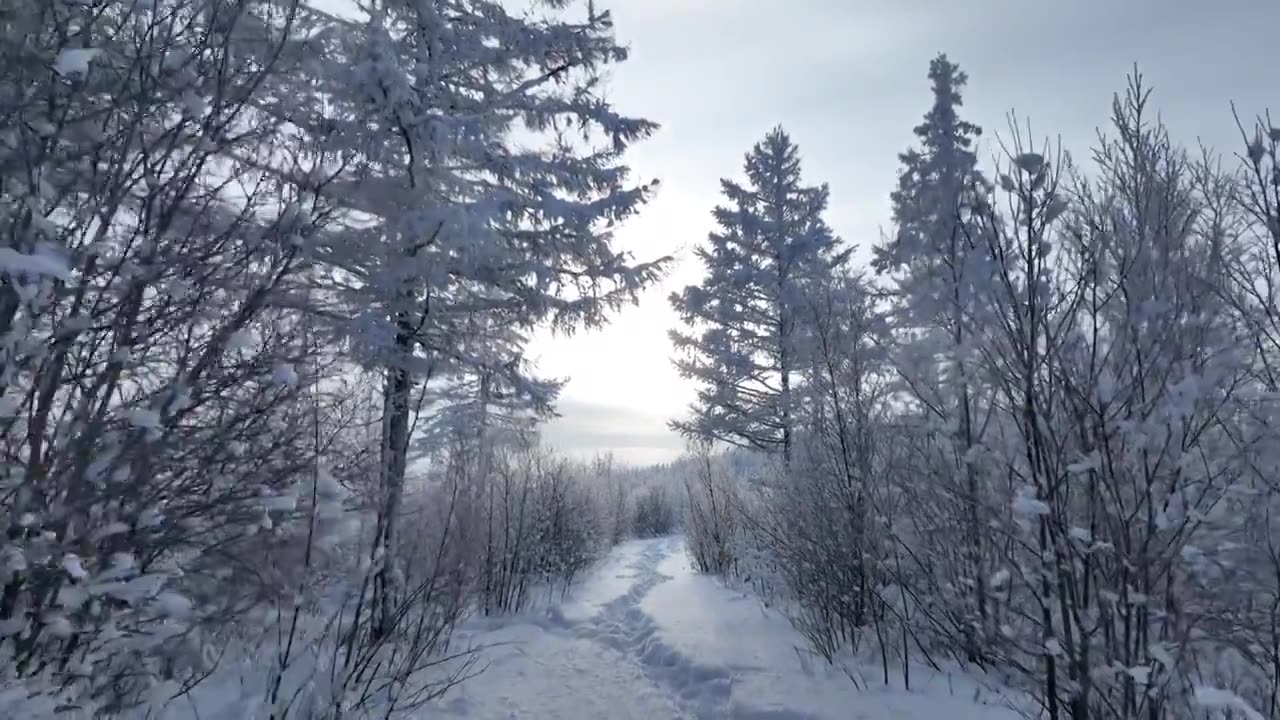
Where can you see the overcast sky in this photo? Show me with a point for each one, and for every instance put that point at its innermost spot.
(847, 78)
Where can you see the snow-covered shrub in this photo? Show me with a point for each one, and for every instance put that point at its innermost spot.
(712, 523)
(814, 531)
(654, 513)
(148, 431)
(571, 523)
(528, 518)
(377, 668)
(613, 498)
(820, 525)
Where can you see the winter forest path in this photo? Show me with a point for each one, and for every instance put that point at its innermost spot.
(646, 637)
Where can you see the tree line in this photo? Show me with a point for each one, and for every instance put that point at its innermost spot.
(1033, 434)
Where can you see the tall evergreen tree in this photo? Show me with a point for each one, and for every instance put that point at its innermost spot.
(935, 260)
(931, 253)
(742, 339)
(481, 177)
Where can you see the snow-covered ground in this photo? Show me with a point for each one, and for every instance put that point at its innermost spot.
(646, 637)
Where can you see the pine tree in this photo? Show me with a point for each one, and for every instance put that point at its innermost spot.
(743, 339)
(935, 263)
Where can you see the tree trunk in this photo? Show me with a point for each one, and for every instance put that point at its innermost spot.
(393, 461)
(973, 520)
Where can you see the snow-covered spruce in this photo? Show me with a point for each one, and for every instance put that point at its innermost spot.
(744, 337)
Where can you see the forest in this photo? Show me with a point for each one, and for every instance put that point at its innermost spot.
(269, 275)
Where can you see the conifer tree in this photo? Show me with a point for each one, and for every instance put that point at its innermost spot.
(481, 178)
(743, 342)
(935, 263)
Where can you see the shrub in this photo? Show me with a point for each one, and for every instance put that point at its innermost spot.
(654, 514)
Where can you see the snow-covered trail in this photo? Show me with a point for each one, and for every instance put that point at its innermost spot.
(646, 637)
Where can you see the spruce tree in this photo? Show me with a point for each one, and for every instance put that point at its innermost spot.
(935, 262)
(931, 254)
(478, 169)
(742, 343)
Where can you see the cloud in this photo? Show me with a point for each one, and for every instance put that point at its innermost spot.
(634, 436)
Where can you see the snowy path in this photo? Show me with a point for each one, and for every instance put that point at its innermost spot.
(645, 637)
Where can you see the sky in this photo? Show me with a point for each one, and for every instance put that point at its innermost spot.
(848, 79)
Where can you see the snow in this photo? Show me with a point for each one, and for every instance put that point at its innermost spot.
(1084, 465)
(1160, 653)
(1027, 505)
(71, 563)
(150, 518)
(58, 625)
(611, 580)
(72, 597)
(143, 418)
(241, 340)
(13, 262)
(12, 626)
(642, 636)
(74, 61)
(195, 105)
(1228, 702)
(122, 565)
(284, 374)
(328, 488)
(173, 605)
(111, 528)
(280, 503)
(646, 637)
